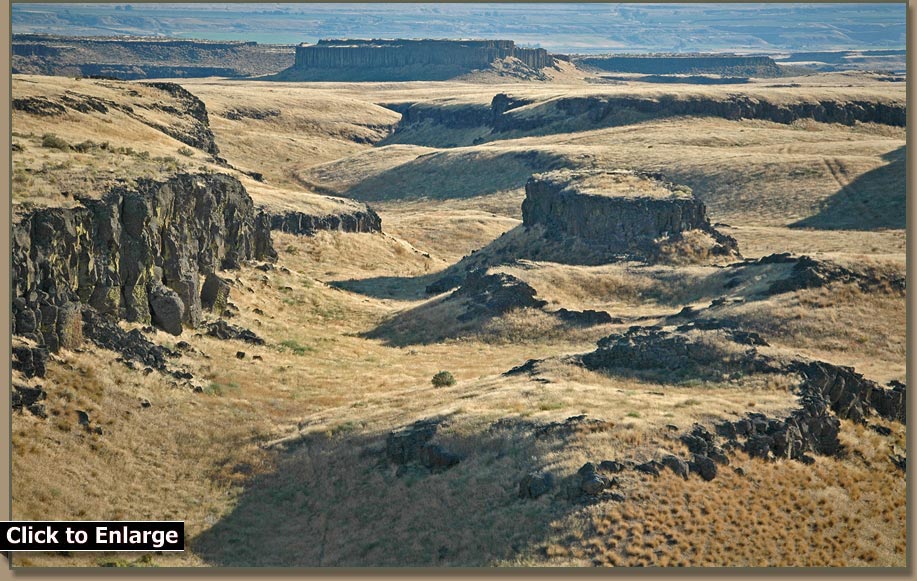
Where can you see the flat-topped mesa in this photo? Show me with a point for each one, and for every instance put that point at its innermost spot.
(623, 213)
(462, 55)
(674, 64)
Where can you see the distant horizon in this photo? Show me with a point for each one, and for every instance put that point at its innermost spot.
(557, 27)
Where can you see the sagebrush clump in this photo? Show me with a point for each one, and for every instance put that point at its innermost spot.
(443, 379)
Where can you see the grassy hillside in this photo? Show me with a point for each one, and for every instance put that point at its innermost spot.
(279, 454)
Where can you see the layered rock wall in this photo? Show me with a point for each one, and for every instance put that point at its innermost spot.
(136, 254)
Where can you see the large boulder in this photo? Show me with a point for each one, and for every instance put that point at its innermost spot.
(167, 309)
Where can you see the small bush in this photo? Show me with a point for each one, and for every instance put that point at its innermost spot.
(443, 379)
(52, 141)
(295, 347)
(186, 151)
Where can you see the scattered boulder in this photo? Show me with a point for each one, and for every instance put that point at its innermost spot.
(240, 354)
(704, 466)
(223, 330)
(652, 468)
(676, 465)
(535, 484)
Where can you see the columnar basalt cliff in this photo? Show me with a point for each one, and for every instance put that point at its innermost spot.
(136, 254)
(308, 224)
(623, 212)
(397, 58)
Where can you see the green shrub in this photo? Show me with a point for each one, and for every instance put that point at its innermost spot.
(443, 379)
(52, 141)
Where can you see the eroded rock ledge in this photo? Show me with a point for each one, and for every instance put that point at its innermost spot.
(136, 254)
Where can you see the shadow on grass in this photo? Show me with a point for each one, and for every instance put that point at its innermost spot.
(405, 288)
(336, 501)
(874, 200)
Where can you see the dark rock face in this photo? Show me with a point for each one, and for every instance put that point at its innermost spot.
(612, 217)
(30, 360)
(401, 59)
(215, 293)
(495, 294)
(306, 224)
(851, 395)
(111, 253)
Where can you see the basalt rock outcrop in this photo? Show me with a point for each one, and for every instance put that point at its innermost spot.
(494, 294)
(308, 224)
(136, 254)
(402, 59)
(620, 213)
(806, 272)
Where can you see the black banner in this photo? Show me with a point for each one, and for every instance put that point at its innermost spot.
(92, 536)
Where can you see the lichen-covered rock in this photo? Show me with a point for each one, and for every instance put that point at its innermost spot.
(110, 252)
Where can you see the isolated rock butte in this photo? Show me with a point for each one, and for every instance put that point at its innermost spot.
(111, 254)
(624, 212)
(393, 59)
